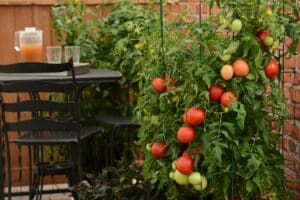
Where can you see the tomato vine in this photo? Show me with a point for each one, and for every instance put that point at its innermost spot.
(239, 147)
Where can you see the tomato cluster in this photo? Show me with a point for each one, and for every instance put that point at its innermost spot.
(272, 68)
(239, 68)
(217, 94)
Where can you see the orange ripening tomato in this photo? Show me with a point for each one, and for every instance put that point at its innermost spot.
(240, 68)
(195, 116)
(159, 85)
(227, 72)
(228, 98)
(271, 69)
(186, 134)
(159, 149)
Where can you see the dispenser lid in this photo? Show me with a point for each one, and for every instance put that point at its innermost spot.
(30, 29)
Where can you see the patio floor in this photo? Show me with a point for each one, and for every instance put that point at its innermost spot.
(57, 196)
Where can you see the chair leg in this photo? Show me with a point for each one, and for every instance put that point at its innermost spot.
(31, 189)
(112, 148)
(75, 176)
(41, 174)
(1, 171)
(76, 169)
(40, 192)
(8, 166)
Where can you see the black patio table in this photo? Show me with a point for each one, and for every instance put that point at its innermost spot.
(99, 76)
(94, 76)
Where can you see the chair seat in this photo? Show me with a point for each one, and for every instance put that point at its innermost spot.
(55, 168)
(56, 137)
(116, 121)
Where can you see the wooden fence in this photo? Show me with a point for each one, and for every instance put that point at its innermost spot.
(14, 16)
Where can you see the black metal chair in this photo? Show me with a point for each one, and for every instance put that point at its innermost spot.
(114, 124)
(54, 120)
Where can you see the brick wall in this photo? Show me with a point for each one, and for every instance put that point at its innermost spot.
(291, 80)
(292, 126)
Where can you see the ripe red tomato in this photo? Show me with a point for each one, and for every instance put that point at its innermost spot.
(195, 116)
(261, 35)
(159, 149)
(228, 98)
(240, 68)
(271, 69)
(186, 134)
(159, 85)
(185, 165)
(215, 92)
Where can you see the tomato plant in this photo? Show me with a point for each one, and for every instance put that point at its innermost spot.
(241, 146)
(236, 130)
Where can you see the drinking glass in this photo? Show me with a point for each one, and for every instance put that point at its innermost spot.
(54, 54)
(72, 52)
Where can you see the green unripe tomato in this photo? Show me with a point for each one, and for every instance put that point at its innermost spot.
(268, 41)
(174, 165)
(171, 175)
(203, 184)
(236, 25)
(269, 12)
(195, 178)
(225, 57)
(181, 178)
(275, 45)
(148, 147)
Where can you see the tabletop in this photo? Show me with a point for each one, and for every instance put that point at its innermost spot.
(93, 76)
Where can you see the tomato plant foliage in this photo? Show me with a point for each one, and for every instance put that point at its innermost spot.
(240, 149)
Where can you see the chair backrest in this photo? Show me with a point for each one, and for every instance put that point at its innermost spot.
(52, 106)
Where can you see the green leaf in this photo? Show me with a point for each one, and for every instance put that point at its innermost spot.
(217, 152)
(249, 186)
(241, 114)
(232, 48)
(253, 163)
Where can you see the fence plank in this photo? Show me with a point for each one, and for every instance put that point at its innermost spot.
(22, 19)
(7, 35)
(42, 20)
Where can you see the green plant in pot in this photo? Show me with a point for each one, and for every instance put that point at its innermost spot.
(115, 42)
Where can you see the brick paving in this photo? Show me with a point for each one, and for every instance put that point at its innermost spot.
(58, 196)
